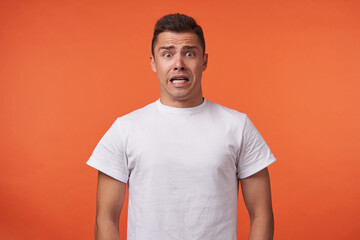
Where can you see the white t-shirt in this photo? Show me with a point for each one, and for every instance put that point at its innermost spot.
(182, 166)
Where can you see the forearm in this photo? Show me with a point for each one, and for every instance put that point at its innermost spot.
(257, 197)
(262, 227)
(106, 230)
(109, 201)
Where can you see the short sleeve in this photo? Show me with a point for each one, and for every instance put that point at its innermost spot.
(109, 155)
(255, 154)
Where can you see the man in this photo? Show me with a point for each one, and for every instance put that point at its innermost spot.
(182, 156)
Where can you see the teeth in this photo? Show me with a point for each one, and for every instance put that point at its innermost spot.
(178, 81)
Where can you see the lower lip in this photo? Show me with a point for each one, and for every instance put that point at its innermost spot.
(180, 84)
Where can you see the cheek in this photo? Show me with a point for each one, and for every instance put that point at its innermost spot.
(198, 69)
(162, 72)
(163, 68)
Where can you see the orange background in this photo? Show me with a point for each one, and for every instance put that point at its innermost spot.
(69, 68)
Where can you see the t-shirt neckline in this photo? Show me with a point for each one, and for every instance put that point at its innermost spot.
(176, 110)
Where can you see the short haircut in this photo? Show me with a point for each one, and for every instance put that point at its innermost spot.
(179, 23)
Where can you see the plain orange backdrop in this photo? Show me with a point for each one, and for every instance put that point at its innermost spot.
(69, 68)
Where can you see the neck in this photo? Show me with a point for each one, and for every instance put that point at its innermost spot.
(179, 103)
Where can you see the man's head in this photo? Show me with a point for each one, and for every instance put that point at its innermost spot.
(179, 58)
(178, 23)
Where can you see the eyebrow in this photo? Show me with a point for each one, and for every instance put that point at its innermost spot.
(187, 47)
(190, 47)
(166, 47)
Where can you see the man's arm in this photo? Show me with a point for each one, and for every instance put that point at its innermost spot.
(109, 202)
(257, 198)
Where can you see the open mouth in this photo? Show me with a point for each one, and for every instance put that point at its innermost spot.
(179, 79)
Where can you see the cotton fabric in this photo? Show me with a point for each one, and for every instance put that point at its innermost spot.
(183, 167)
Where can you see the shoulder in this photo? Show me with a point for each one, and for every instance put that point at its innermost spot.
(226, 113)
(137, 114)
(130, 120)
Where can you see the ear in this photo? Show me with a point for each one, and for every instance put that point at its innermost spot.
(152, 63)
(205, 61)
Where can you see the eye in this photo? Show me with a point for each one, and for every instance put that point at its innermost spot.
(167, 54)
(189, 54)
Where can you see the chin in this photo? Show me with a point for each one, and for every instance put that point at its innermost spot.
(182, 97)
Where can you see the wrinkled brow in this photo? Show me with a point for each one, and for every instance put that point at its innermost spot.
(186, 47)
(166, 47)
(190, 47)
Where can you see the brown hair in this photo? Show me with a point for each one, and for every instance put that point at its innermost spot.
(177, 23)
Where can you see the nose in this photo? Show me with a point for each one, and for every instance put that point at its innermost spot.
(179, 64)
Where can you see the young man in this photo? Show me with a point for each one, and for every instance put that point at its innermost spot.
(182, 156)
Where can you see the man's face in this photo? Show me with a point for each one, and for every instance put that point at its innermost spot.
(179, 62)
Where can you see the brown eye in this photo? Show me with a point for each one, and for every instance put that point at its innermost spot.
(189, 54)
(167, 54)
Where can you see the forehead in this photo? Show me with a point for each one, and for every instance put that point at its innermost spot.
(177, 39)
